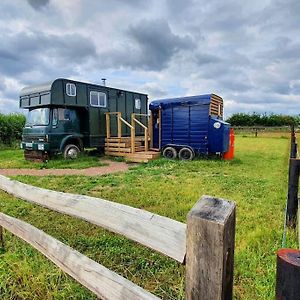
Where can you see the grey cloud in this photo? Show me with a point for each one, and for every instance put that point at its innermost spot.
(38, 4)
(35, 50)
(154, 90)
(151, 46)
(157, 42)
(204, 58)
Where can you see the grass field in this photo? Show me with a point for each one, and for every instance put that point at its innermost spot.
(14, 158)
(256, 180)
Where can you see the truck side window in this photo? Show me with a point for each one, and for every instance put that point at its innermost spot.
(55, 117)
(97, 99)
(63, 114)
(71, 89)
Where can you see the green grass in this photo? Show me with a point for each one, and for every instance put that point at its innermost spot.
(256, 180)
(14, 159)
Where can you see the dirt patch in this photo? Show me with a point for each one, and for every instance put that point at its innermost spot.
(112, 167)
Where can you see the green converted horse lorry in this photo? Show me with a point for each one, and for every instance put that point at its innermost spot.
(66, 116)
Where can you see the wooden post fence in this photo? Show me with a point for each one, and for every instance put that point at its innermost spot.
(210, 249)
(205, 244)
(293, 152)
(293, 182)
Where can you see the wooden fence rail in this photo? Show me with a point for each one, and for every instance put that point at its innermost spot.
(159, 233)
(98, 279)
(209, 249)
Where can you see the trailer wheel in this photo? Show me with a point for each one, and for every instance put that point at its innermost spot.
(71, 151)
(186, 154)
(170, 153)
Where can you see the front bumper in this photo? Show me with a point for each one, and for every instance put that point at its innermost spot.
(37, 146)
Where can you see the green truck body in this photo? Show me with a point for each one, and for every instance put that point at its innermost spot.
(66, 112)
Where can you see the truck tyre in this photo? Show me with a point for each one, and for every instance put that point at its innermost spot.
(186, 154)
(71, 151)
(170, 153)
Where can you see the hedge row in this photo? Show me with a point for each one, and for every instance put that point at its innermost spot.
(11, 128)
(241, 119)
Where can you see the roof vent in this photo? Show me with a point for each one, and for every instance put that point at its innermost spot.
(103, 81)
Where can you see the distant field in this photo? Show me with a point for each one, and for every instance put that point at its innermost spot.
(256, 180)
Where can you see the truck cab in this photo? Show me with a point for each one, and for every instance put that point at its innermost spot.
(52, 130)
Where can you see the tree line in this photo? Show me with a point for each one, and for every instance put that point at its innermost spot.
(11, 127)
(254, 119)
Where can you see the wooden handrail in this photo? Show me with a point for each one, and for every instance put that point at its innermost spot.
(134, 120)
(140, 123)
(125, 122)
(141, 115)
(112, 113)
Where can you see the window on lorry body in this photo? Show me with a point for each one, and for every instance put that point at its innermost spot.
(137, 103)
(97, 99)
(71, 89)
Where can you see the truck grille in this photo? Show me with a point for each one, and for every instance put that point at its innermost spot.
(32, 138)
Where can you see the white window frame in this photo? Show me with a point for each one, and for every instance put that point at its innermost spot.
(137, 103)
(98, 94)
(69, 86)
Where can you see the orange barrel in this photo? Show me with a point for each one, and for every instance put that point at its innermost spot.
(230, 153)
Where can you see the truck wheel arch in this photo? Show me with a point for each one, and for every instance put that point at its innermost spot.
(74, 140)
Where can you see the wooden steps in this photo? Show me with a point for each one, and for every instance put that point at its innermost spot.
(132, 148)
(144, 156)
(126, 150)
(121, 147)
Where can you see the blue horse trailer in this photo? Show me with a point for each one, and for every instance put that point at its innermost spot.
(188, 126)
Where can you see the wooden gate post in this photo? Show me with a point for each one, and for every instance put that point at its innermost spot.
(293, 151)
(210, 249)
(293, 186)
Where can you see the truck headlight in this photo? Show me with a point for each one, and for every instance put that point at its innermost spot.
(41, 147)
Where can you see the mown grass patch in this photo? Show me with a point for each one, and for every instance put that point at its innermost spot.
(14, 159)
(256, 180)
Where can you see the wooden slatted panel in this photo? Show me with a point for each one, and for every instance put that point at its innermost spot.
(98, 279)
(162, 234)
(216, 105)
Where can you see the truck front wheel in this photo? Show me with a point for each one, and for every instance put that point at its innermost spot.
(186, 154)
(71, 151)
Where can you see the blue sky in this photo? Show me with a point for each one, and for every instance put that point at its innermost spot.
(245, 51)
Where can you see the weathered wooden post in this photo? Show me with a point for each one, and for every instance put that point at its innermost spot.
(293, 153)
(292, 199)
(288, 274)
(1, 238)
(210, 249)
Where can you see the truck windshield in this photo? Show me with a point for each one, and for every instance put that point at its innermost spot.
(38, 117)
